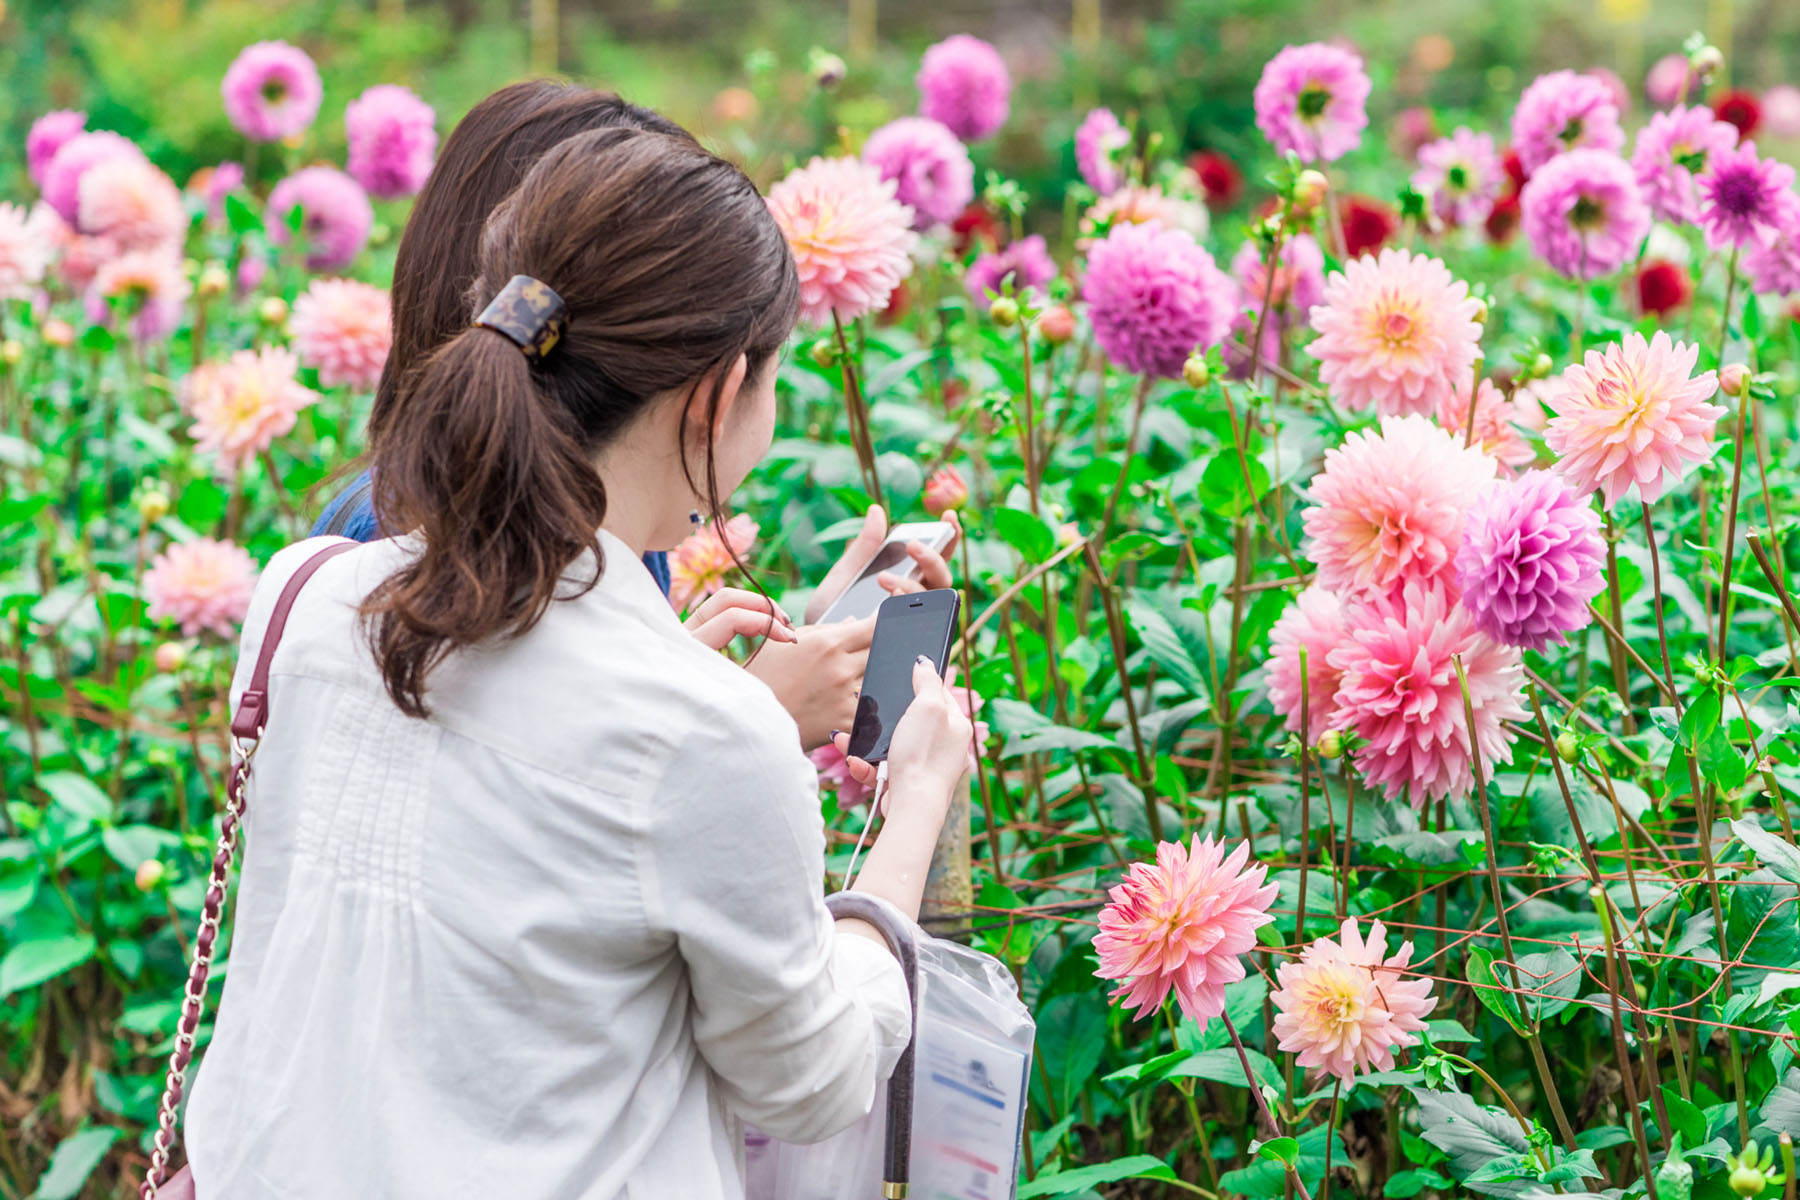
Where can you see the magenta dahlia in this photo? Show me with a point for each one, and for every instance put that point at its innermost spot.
(1530, 561)
(1462, 175)
(75, 158)
(1310, 101)
(393, 139)
(1673, 148)
(1026, 262)
(963, 84)
(335, 216)
(271, 91)
(1098, 143)
(1563, 111)
(1741, 196)
(1154, 297)
(929, 167)
(1773, 264)
(1583, 214)
(46, 137)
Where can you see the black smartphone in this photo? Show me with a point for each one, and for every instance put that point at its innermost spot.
(906, 626)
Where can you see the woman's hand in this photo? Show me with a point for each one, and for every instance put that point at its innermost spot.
(933, 572)
(734, 612)
(816, 676)
(928, 754)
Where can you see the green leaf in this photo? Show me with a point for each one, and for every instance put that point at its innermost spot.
(1265, 1179)
(1164, 646)
(130, 845)
(1222, 488)
(1030, 536)
(1473, 1135)
(1223, 1066)
(202, 505)
(98, 340)
(1490, 991)
(1781, 1107)
(74, 1160)
(1553, 977)
(1071, 1036)
(77, 794)
(1448, 1031)
(239, 215)
(30, 963)
(1083, 1179)
(1769, 849)
(1284, 1150)
(1407, 1184)
(1689, 1123)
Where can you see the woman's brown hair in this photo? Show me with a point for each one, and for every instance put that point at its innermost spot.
(671, 268)
(482, 160)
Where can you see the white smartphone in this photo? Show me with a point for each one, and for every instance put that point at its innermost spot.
(865, 593)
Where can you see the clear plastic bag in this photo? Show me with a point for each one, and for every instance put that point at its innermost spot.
(972, 1045)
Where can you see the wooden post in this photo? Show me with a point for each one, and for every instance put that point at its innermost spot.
(544, 20)
(862, 29)
(949, 890)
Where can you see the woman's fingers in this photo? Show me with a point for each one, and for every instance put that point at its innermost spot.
(862, 772)
(726, 598)
(849, 565)
(717, 631)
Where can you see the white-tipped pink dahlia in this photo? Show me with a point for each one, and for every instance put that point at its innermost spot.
(852, 241)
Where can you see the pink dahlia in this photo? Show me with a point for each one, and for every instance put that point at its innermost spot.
(1530, 561)
(47, 135)
(147, 287)
(1781, 110)
(1583, 214)
(963, 84)
(1462, 175)
(1098, 143)
(1388, 508)
(1670, 151)
(1564, 111)
(1396, 333)
(1634, 413)
(1741, 196)
(393, 139)
(25, 252)
(1310, 101)
(335, 216)
(342, 329)
(1671, 79)
(698, 566)
(1497, 421)
(928, 165)
(852, 241)
(129, 201)
(1183, 924)
(1345, 1006)
(834, 771)
(271, 91)
(1400, 694)
(1773, 264)
(242, 405)
(1299, 282)
(203, 584)
(1134, 204)
(1026, 262)
(1315, 623)
(1154, 297)
(62, 174)
(210, 185)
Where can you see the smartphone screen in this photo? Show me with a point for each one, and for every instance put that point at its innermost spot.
(865, 593)
(905, 627)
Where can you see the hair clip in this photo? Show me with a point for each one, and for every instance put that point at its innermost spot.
(528, 313)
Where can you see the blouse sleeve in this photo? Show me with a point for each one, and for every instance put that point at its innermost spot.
(798, 1021)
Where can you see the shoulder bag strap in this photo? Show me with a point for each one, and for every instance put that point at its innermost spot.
(246, 729)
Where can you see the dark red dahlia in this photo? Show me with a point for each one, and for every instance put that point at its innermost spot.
(1741, 109)
(975, 225)
(1368, 223)
(1219, 178)
(1515, 171)
(1503, 222)
(1662, 287)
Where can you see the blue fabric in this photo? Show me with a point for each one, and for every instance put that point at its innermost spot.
(351, 514)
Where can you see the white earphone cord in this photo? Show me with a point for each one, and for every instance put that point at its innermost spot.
(874, 811)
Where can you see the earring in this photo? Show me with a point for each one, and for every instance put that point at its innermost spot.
(693, 516)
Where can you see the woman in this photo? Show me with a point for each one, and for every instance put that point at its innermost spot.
(816, 673)
(532, 899)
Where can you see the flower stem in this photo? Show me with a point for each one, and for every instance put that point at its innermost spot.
(1613, 969)
(1262, 1105)
(1027, 438)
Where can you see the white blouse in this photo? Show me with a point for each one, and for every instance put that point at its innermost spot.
(559, 940)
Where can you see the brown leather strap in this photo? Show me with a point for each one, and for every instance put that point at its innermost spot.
(253, 707)
(896, 1159)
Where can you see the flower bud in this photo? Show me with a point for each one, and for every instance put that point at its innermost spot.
(827, 69)
(1541, 366)
(824, 353)
(1481, 311)
(272, 311)
(1309, 192)
(1057, 325)
(59, 333)
(153, 505)
(1734, 378)
(1331, 744)
(11, 351)
(1705, 61)
(1194, 372)
(1746, 1180)
(944, 491)
(1067, 534)
(171, 657)
(1005, 311)
(1568, 746)
(214, 280)
(149, 873)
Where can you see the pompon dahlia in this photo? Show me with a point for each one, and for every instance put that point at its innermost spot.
(147, 286)
(203, 584)
(342, 329)
(1773, 264)
(335, 216)
(1345, 1006)
(1583, 214)
(1183, 924)
(852, 241)
(1311, 100)
(47, 135)
(393, 139)
(1098, 142)
(1497, 420)
(1564, 111)
(1634, 413)
(1396, 333)
(929, 167)
(1315, 622)
(963, 85)
(1530, 561)
(1026, 262)
(1462, 176)
(1673, 148)
(698, 566)
(271, 91)
(242, 405)
(1154, 297)
(1741, 196)
(75, 158)
(1399, 693)
(129, 201)
(1388, 508)
(25, 252)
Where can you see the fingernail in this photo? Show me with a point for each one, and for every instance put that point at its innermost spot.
(924, 660)
(835, 732)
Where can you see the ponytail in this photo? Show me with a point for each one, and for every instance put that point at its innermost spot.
(503, 497)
